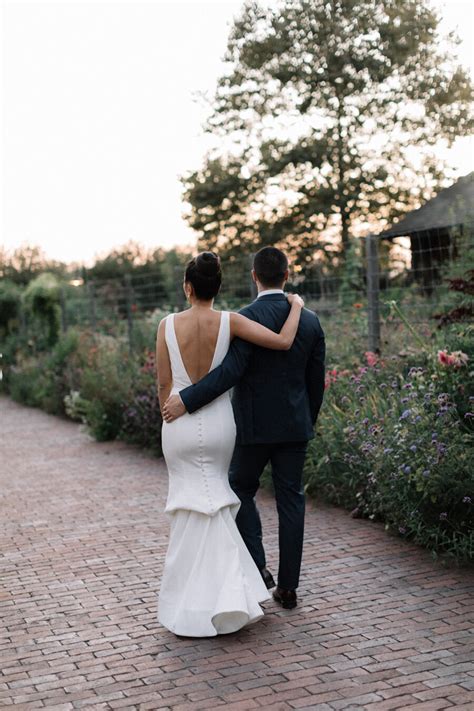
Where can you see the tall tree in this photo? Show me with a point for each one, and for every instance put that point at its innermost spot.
(26, 262)
(326, 118)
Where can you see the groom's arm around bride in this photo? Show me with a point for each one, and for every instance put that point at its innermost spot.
(285, 388)
(276, 400)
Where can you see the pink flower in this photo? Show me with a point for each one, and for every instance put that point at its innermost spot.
(330, 377)
(459, 358)
(443, 357)
(371, 358)
(456, 359)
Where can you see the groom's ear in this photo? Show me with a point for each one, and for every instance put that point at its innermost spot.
(287, 274)
(254, 276)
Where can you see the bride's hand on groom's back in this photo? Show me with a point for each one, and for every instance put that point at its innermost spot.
(173, 408)
(295, 298)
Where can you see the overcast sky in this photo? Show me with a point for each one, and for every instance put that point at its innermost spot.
(99, 118)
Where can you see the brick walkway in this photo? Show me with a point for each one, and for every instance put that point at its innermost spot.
(380, 626)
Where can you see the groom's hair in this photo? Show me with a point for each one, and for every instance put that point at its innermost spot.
(270, 266)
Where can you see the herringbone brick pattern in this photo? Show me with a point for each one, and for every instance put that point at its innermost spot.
(380, 626)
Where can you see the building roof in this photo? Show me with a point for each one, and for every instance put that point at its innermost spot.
(451, 206)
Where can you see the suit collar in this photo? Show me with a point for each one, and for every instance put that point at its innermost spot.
(271, 297)
(269, 291)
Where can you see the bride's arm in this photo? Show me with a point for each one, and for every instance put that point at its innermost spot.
(254, 332)
(164, 378)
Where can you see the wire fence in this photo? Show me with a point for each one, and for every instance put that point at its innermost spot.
(354, 301)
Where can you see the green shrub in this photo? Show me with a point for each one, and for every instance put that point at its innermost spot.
(10, 302)
(392, 446)
(26, 384)
(141, 422)
(43, 380)
(105, 385)
(41, 302)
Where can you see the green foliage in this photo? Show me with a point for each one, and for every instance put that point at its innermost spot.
(141, 421)
(351, 281)
(26, 263)
(132, 261)
(316, 117)
(41, 300)
(395, 444)
(460, 303)
(10, 302)
(75, 406)
(105, 385)
(26, 384)
(44, 380)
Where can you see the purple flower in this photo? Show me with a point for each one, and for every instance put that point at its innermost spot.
(426, 472)
(417, 418)
(413, 447)
(467, 500)
(468, 415)
(402, 529)
(407, 469)
(405, 414)
(405, 399)
(388, 450)
(443, 516)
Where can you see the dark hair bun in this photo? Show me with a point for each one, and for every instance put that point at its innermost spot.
(204, 273)
(208, 264)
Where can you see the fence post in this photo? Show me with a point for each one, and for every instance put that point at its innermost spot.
(373, 305)
(128, 298)
(62, 302)
(180, 301)
(91, 294)
(253, 286)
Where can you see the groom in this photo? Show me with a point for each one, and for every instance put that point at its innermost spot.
(276, 400)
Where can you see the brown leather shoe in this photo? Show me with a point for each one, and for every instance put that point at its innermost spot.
(286, 598)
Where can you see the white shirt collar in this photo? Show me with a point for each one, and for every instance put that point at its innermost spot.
(269, 291)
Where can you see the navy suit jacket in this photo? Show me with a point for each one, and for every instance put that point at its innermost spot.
(277, 394)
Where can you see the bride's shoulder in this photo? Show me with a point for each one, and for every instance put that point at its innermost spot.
(163, 322)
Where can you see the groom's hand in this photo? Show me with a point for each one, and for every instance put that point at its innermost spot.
(173, 408)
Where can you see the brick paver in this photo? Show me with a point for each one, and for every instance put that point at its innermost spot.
(380, 625)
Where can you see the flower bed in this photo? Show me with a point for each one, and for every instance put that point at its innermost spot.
(395, 443)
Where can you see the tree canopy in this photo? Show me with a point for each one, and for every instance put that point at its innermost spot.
(326, 119)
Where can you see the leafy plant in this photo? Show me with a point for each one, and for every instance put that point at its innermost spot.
(391, 446)
(317, 114)
(41, 300)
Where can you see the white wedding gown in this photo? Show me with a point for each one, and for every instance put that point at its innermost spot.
(210, 583)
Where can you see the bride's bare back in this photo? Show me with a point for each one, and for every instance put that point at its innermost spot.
(196, 332)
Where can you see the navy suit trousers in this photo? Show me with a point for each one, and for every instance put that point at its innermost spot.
(287, 460)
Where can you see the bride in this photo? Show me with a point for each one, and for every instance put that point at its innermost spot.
(210, 583)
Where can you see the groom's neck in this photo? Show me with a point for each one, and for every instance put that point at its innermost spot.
(262, 287)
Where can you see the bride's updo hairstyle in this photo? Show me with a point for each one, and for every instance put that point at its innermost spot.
(204, 273)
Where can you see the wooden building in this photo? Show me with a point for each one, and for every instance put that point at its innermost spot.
(437, 230)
